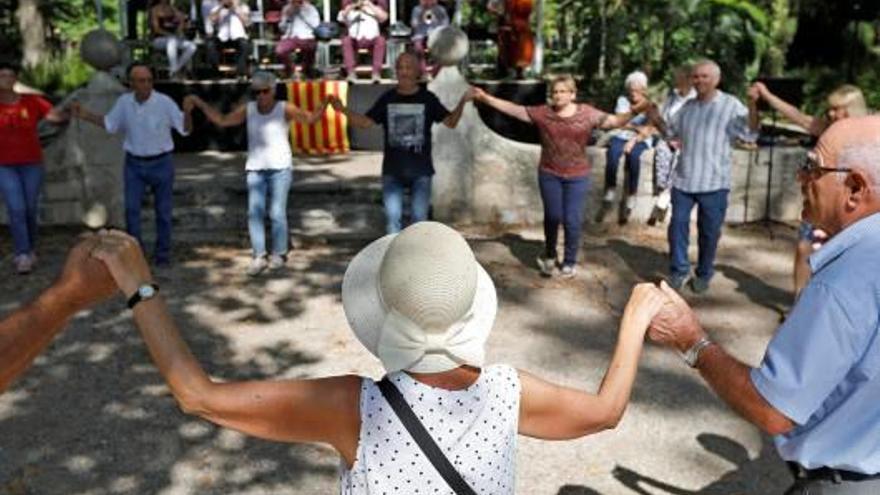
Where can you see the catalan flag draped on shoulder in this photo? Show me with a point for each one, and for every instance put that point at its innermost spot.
(330, 134)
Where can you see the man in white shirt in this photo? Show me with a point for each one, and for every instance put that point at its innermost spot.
(299, 18)
(363, 19)
(230, 21)
(146, 117)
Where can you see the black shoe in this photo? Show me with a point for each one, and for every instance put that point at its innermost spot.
(604, 208)
(623, 214)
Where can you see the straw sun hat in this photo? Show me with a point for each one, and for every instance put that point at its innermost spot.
(419, 301)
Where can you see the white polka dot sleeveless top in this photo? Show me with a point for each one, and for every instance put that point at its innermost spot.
(475, 428)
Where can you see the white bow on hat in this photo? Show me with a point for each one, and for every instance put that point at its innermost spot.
(402, 343)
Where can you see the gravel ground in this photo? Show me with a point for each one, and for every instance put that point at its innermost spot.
(94, 417)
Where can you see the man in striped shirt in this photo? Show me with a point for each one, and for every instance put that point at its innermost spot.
(707, 127)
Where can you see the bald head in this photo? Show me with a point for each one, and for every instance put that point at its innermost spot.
(852, 143)
(843, 184)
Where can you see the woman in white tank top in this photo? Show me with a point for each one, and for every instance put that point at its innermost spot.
(269, 164)
(422, 304)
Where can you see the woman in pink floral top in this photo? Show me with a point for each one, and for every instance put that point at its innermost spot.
(563, 173)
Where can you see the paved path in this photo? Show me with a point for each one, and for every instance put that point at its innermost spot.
(93, 416)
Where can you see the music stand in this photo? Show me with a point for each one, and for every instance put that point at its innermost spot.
(790, 90)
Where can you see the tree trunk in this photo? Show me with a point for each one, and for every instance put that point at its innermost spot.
(782, 28)
(33, 32)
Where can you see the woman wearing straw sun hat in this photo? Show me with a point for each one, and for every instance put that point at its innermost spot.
(441, 418)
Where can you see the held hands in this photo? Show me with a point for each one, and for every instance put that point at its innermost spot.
(757, 91)
(85, 280)
(122, 255)
(336, 103)
(645, 302)
(676, 324)
(477, 94)
(189, 103)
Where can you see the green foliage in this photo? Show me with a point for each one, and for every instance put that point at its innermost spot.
(58, 75)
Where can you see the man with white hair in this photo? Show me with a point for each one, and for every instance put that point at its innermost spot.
(629, 141)
(816, 389)
(707, 126)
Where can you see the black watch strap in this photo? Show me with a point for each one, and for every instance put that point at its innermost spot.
(139, 295)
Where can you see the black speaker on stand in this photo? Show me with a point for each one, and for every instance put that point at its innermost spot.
(790, 90)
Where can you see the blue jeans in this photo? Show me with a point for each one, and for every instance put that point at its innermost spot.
(273, 185)
(632, 162)
(20, 186)
(563, 203)
(158, 174)
(393, 189)
(712, 206)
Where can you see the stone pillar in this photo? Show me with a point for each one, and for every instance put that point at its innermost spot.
(84, 163)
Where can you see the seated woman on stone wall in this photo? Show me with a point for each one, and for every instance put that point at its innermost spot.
(629, 142)
(421, 303)
(565, 127)
(166, 28)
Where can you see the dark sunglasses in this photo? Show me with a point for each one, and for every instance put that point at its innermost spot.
(812, 167)
(262, 91)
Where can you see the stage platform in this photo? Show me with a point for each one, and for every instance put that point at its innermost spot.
(225, 94)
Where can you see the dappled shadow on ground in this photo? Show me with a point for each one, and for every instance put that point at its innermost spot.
(93, 414)
(763, 474)
(757, 290)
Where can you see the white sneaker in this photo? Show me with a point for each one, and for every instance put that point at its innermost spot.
(568, 271)
(276, 261)
(257, 266)
(24, 263)
(546, 266)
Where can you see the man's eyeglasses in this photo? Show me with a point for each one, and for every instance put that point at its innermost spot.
(261, 91)
(812, 167)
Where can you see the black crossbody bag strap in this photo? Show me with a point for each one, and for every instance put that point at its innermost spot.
(423, 439)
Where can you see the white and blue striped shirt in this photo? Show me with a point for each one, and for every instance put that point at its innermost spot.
(707, 131)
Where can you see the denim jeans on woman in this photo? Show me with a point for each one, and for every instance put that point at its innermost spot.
(20, 187)
(157, 174)
(393, 190)
(632, 161)
(563, 203)
(272, 187)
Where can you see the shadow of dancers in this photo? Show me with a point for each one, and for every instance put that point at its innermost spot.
(763, 474)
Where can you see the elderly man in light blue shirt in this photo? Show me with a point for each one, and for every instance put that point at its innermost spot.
(146, 117)
(707, 127)
(818, 387)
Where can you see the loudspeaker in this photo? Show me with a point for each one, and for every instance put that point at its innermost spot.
(790, 89)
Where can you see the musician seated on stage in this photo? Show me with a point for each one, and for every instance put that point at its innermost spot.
(229, 21)
(299, 18)
(363, 20)
(166, 28)
(426, 18)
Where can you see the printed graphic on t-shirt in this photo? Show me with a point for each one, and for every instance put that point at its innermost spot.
(406, 126)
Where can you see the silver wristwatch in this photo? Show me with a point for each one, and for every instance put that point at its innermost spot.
(691, 355)
(143, 293)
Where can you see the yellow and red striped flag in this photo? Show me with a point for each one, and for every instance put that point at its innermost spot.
(330, 134)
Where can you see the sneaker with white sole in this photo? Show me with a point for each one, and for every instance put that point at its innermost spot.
(568, 271)
(257, 266)
(276, 261)
(546, 265)
(24, 263)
